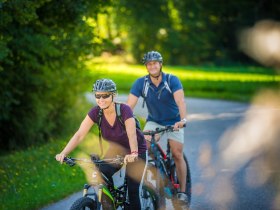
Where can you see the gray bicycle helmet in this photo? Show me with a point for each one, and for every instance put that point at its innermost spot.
(152, 56)
(104, 85)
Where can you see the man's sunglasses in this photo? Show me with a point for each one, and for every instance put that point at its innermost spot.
(104, 96)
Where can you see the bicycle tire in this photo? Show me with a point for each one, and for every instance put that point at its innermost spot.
(106, 202)
(160, 184)
(149, 197)
(84, 203)
(188, 178)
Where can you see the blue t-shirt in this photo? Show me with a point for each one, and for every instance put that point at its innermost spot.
(161, 104)
(117, 133)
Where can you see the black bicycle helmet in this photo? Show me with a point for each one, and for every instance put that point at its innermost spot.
(152, 56)
(104, 85)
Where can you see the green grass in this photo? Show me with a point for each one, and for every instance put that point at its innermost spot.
(32, 178)
(240, 83)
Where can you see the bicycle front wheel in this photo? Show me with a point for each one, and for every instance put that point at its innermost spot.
(84, 203)
(149, 197)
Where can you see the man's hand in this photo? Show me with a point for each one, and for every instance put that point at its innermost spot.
(149, 137)
(179, 125)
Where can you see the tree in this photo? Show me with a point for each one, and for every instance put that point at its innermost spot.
(43, 44)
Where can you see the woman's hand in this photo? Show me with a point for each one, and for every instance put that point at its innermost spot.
(60, 157)
(130, 158)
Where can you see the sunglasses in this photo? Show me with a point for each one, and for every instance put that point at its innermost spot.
(104, 96)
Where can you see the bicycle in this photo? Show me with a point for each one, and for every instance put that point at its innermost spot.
(166, 179)
(103, 194)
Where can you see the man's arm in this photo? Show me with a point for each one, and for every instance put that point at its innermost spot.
(132, 101)
(180, 101)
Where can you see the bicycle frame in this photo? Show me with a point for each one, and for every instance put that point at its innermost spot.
(163, 162)
(167, 181)
(117, 195)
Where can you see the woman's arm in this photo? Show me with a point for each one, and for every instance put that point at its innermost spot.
(130, 126)
(85, 126)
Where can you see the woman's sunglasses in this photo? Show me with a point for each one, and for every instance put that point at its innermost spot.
(104, 96)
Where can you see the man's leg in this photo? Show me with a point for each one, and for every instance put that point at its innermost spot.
(181, 169)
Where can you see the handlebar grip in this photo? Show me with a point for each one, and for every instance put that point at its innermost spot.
(69, 161)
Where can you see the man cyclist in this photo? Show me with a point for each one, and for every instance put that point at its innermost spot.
(123, 140)
(164, 96)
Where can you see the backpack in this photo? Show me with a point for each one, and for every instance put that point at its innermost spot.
(119, 116)
(146, 87)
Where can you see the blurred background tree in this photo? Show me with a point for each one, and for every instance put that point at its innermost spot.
(44, 43)
(190, 32)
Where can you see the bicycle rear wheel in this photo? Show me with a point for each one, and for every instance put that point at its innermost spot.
(84, 203)
(149, 197)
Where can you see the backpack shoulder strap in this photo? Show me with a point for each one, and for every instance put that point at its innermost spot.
(167, 82)
(119, 116)
(118, 112)
(145, 89)
(100, 113)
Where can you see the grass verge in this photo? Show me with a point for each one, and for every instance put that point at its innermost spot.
(240, 83)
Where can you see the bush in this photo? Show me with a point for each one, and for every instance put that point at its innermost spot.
(42, 47)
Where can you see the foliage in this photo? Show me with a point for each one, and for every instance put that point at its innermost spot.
(190, 32)
(43, 44)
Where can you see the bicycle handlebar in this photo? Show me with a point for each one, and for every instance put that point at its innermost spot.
(72, 161)
(169, 128)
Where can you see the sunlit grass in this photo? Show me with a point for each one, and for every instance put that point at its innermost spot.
(239, 83)
(185, 73)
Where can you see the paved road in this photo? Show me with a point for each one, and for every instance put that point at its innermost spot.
(219, 181)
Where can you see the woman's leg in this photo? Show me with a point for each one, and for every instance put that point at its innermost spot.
(135, 175)
(110, 169)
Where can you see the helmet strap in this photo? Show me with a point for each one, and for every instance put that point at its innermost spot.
(156, 77)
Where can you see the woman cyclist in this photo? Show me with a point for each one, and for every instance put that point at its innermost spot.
(123, 140)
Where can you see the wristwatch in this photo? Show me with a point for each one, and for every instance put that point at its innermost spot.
(184, 120)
